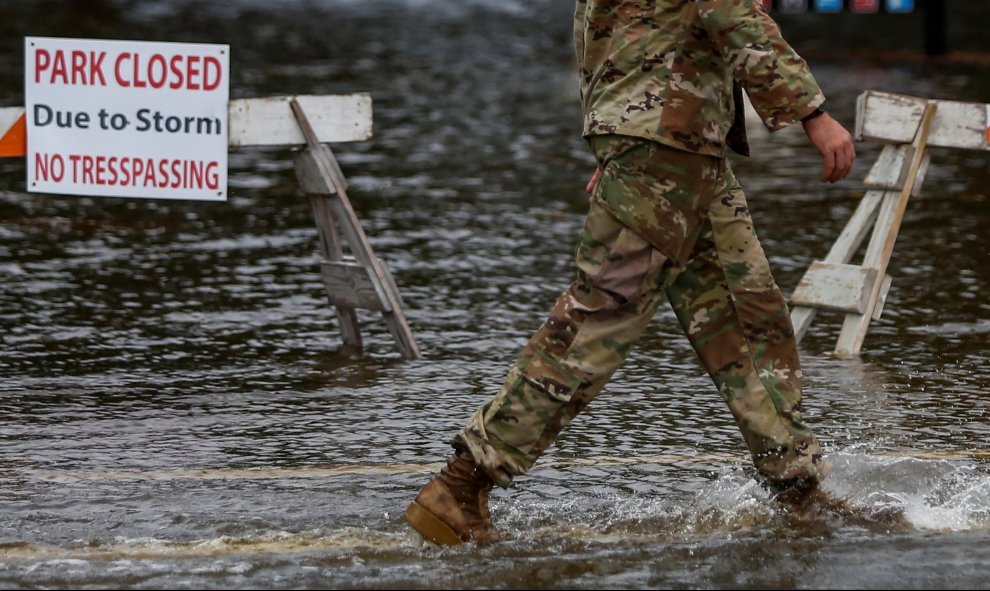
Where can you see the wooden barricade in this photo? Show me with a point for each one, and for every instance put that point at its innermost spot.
(358, 280)
(908, 126)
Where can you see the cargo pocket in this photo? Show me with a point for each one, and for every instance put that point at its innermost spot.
(638, 202)
(661, 193)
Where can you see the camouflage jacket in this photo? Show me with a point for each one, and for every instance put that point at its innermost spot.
(665, 70)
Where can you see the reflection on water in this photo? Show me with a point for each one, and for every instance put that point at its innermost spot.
(175, 411)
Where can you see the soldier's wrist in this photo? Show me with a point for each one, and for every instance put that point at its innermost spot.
(818, 112)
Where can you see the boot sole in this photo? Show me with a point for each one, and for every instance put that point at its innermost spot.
(430, 526)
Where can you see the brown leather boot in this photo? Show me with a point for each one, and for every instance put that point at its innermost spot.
(453, 507)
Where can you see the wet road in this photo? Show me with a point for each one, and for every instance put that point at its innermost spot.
(174, 411)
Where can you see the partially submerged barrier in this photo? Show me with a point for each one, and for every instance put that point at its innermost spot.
(908, 126)
(355, 280)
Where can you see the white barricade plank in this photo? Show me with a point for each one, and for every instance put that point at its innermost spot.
(894, 118)
(270, 122)
(835, 286)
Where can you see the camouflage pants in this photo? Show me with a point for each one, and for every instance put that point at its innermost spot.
(661, 222)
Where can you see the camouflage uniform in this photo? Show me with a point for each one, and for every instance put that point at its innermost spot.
(660, 85)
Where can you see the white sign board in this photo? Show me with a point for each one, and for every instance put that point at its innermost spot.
(127, 118)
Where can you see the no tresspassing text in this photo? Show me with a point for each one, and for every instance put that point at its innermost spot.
(125, 171)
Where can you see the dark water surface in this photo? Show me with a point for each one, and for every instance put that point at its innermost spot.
(174, 411)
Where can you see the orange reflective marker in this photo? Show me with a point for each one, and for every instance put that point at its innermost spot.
(14, 139)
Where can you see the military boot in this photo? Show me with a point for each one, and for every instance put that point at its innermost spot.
(453, 507)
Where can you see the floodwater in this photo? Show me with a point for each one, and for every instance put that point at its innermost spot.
(175, 410)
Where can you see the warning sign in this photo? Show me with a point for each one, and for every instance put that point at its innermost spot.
(126, 118)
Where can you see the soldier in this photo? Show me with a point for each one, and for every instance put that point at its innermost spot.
(661, 91)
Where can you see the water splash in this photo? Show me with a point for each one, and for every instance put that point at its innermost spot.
(883, 491)
(933, 494)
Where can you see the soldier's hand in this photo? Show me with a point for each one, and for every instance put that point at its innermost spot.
(835, 145)
(590, 187)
